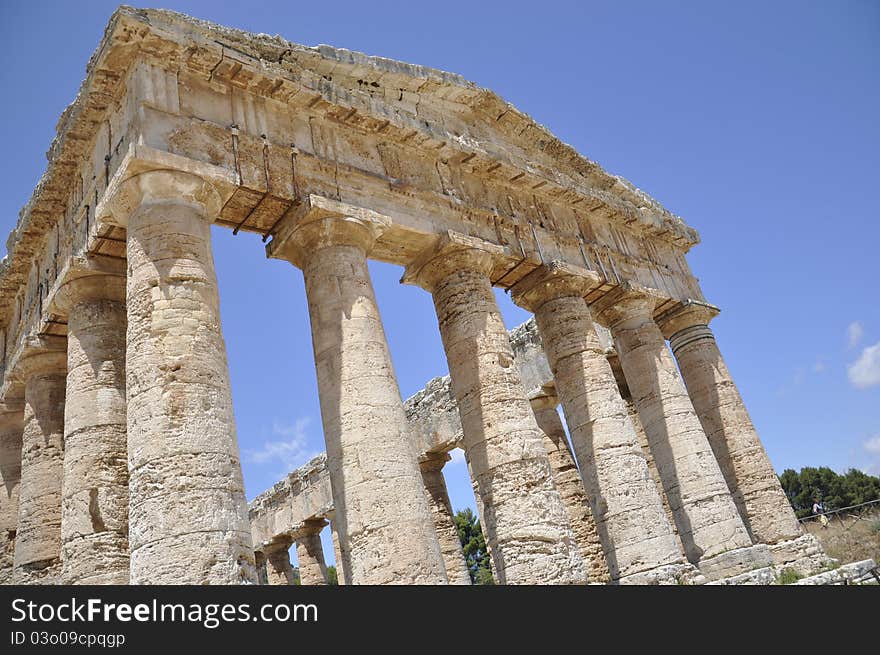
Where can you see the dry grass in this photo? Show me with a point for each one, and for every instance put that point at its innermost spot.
(850, 538)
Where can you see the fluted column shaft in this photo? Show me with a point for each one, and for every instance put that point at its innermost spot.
(187, 514)
(383, 522)
(708, 522)
(447, 535)
(310, 556)
(37, 557)
(94, 517)
(750, 476)
(571, 487)
(528, 531)
(11, 423)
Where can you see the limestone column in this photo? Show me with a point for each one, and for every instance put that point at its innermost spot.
(633, 413)
(310, 554)
(383, 522)
(260, 563)
(709, 526)
(637, 539)
(278, 568)
(188, 520)
(750, 476)
(568, 481)
(341, 576)
(94, 512)
(11, 420)
(447, 534)
(527, 527)
(37, 557)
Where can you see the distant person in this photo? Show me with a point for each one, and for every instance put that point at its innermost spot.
(819, 510)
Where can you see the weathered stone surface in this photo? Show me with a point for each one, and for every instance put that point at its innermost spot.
(310, 554)
(626, 502)
(431, 466)
(854, 572)
(709, 524)
(747, 469)
(529, 535)
(37, 557)
(181, 123)
(278, 568)
(383, 522)
(568, 482)
(11, 423)
(187, 514)
(94, 512)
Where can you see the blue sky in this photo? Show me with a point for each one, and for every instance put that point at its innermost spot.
(754, 121)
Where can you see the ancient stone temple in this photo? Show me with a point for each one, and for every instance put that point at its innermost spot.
(120, 462)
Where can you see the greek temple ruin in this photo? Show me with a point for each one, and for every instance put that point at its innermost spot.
(118, 450)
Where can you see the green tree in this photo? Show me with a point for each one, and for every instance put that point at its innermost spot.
(332, 575)
(476, 555)
(832, 489)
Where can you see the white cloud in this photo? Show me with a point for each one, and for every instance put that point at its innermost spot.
(291, 450)
(854, 332)
(819, 366)
(872, 445)
(865, 371)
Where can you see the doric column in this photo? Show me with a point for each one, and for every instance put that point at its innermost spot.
(438, 499)
(188, 521)
(341, 576)
(747, 469)
(571, 487)
(260, 563)
(383, 521)
(278, 568)
(94, 514)
(310, 554)
(637, 538)
(528, 529)
(709, 526)
(43, 370)
(11, 421)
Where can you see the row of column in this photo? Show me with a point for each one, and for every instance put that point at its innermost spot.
(161, 500)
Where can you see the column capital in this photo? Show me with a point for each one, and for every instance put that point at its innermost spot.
(433, 461)
(86, 287)
(158, 186)
(544, 399)
(275, 545)
(318, 222)
(554, 280)
(308, 527)
(42, 354)
(452, 252)
(626, 302)
(691, 313)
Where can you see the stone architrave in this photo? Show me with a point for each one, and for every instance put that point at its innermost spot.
(529, 535)
(710, 528)
(431, 466)
(638, 540)
(382, 518)
(188, 521)
(43, 370)
(94, 513)
(11, 423)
